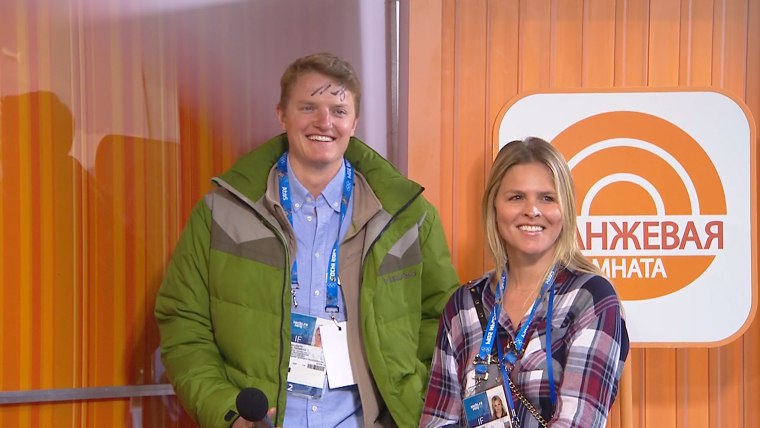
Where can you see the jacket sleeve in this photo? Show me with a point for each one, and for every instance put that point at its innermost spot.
(188, 351)
(439, 281)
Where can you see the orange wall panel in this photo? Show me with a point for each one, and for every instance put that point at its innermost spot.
(541, 45)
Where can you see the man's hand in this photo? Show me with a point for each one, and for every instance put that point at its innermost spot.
(243, 423)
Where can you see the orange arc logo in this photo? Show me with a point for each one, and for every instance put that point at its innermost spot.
(629, 164)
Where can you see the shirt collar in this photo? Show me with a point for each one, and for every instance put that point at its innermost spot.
(332, 193)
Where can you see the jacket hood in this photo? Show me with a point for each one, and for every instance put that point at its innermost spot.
(249, 174)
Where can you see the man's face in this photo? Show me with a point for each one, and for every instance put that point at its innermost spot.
(319, 119)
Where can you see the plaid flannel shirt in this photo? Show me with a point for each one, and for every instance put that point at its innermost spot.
(589, 347)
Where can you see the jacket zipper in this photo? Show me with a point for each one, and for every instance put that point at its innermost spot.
(284, 243)
(232, 190)
(387, 225)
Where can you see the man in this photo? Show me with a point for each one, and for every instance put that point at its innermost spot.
(314, 272)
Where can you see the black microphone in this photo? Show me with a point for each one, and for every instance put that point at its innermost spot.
(253, 405)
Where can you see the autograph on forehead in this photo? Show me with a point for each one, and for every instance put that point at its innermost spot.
(340, 91)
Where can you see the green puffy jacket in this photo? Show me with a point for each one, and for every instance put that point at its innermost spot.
(223, 309)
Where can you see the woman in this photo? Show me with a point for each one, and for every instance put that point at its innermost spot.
(540, 276)
(497, 407)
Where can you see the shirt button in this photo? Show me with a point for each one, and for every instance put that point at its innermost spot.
(316, 292)
(314, 408)
(308, 199)
(308, 218)
(316, 255)
(335, 204)
(297, 205)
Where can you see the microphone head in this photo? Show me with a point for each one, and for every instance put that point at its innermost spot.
(252, 404)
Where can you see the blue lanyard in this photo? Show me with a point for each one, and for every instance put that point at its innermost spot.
(516, 350)
(505, 375)
(489, 335)
(333, 279)
(508, 360)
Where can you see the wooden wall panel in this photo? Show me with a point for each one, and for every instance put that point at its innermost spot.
(751, 354)
(598, 27)
(729, 73)
(631, 42)
(692, 385)
(662, 70)
(541, 44)
(470, 89)
(502, 70)
(567, 36)
(421, 98)
(696, 43)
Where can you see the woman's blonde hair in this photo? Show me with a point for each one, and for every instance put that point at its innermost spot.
(567, 253)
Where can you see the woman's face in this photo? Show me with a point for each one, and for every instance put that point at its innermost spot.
(528, 214)
(498, 409)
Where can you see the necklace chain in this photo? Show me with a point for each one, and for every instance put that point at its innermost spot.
(523, 308)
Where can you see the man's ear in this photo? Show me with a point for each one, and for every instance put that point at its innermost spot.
(280, 116)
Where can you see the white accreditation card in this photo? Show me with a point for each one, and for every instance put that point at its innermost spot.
(335, 341)
(306, 372)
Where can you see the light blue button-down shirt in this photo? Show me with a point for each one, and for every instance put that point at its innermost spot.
(315, 222)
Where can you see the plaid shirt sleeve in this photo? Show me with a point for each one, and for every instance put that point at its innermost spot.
(596, 344)
(443, 402)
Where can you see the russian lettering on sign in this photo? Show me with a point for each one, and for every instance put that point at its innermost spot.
(666, 192)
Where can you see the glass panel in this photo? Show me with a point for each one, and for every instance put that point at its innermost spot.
(114, 116)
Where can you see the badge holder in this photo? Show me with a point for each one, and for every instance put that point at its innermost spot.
(485, 403)
(307, 370)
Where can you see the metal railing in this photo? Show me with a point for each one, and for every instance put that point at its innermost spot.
(78, 394)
